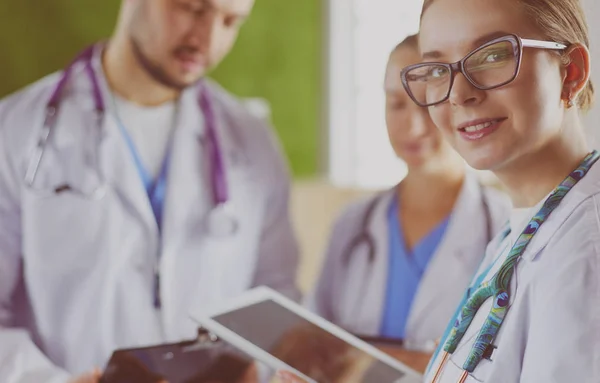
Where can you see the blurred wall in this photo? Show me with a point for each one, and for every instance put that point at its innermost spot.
(591, 119)
(316, 204)
(277, 57)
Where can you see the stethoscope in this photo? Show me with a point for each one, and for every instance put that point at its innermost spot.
(219, 221)
(365, 238)
(498, 287)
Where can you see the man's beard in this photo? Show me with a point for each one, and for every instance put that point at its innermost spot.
(153, 69)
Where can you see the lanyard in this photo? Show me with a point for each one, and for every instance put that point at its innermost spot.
(220, 191)
(467, 294)
(498, 286)
(155, 188)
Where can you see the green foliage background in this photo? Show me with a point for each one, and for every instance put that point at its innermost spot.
(277, 57)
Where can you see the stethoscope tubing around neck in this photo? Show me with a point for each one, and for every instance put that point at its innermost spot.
(498, 286)
(219, 181)
(364, 236)
(220, 191)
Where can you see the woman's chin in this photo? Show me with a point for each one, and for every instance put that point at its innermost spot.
(415, 163)
(482, 162)
(484, 157)
(415, 158)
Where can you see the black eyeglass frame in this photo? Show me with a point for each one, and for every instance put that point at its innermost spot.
(459, 66)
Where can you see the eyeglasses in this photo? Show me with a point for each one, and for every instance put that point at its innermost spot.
(492, 65)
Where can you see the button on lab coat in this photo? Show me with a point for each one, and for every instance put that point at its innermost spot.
(77, 275)
(351, 289)
(551, 333)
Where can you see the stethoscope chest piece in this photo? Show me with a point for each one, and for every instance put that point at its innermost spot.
(221, 221)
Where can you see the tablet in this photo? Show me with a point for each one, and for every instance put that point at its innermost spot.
(185, 362)
(285, 336)
(400, 344)
(379, 341)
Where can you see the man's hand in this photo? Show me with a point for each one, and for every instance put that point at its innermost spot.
(89, 377)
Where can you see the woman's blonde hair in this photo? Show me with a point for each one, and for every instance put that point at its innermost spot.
(561, 21)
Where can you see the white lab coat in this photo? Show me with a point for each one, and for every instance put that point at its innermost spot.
(551, 333)
(353, 295)
(76, 275)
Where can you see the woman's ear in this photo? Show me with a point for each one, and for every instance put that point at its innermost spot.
(576, 72)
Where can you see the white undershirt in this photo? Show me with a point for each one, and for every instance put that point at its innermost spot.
(520, 217)
(149, 129)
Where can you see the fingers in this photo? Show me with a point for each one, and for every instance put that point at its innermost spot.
(97, 374)
(85, 378)
(288, 377)
(89, 377)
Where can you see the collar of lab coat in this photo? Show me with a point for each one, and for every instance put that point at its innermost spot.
(584, 189)
(468, 219)
(466, 216)
(189, 111)
(81, 91)
(456, 257)
(189, 139)
(459, 253)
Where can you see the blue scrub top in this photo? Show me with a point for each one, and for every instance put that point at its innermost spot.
(405, 270)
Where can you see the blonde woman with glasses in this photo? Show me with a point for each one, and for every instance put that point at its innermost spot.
(506, 83)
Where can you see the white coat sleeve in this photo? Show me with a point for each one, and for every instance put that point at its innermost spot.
(322, 298)
(563, 342)
(278, 253)
(20, 360)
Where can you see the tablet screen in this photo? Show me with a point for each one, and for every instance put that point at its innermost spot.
(305, 346)
(178, 363)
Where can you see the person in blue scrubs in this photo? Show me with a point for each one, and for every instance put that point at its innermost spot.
(407, 265)
(398, 261)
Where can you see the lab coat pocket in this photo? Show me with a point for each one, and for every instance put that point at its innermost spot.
(61, 230)
(482, 371)
(457, 360)
(453, 371)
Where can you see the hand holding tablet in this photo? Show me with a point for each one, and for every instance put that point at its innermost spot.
(287, 337)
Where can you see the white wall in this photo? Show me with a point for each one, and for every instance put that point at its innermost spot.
(361, 34)
(592, 119)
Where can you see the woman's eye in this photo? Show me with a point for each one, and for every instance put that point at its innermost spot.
(495, 56)
(491, 58)
(438, 72)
